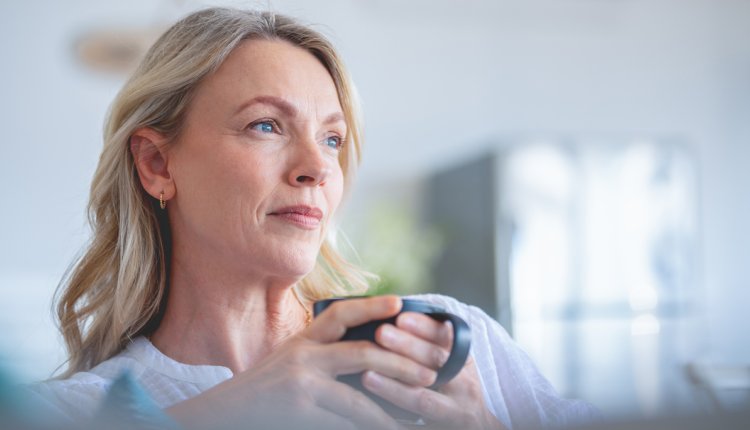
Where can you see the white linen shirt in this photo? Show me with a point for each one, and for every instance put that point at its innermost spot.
(514, 390)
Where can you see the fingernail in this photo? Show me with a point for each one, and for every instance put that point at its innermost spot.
(407, 321)
(428, 377)
(441, 356)
(394, 303)
(387, 334)
(371, 379)
(399, 302)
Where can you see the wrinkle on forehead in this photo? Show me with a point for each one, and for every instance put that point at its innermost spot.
(278, 69)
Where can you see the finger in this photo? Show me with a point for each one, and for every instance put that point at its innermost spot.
(353, 406)
(343, 358)
(405, 343)
(431, 405)
(426, 328)
(332, 323)
(466, 384)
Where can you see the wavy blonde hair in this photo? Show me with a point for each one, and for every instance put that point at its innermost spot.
(118, 288)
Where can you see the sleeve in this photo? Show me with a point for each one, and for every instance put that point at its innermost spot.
(121, 404)
(127, 405)
(514, 389)
(66, 401)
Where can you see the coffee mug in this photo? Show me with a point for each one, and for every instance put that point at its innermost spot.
(454, 364)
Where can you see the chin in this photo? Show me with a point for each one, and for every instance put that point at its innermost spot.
(297, 265)
(298, 273)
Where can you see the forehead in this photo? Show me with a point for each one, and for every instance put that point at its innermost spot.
(271, 68)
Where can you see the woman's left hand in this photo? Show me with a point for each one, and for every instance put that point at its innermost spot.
(457, 404)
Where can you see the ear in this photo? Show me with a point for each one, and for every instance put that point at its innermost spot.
(149, 149)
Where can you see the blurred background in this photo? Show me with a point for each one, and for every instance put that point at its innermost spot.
(576, 168)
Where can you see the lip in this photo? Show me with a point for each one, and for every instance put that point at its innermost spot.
(307, 217)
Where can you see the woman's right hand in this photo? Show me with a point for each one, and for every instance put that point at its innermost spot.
(296, 384)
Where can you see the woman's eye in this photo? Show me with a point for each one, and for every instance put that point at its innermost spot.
(263, 127)
(333, 142)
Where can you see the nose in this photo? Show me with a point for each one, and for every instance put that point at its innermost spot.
(310, 167)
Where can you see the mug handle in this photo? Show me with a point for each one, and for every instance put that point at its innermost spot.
(459, 349)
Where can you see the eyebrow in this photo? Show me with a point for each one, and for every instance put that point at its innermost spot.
(286, 108)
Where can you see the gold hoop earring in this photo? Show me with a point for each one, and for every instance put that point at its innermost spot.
(162, 203)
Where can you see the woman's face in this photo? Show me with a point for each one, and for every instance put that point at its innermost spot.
(256, 166)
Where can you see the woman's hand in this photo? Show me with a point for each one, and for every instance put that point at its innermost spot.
(295, 385)
(457, 404)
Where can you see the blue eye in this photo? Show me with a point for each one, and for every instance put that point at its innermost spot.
(263, 127)
(333, 142)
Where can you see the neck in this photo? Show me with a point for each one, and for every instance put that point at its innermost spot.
(217, 320)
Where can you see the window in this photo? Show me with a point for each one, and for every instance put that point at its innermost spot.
(602, 243)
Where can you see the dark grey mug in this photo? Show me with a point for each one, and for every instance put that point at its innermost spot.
(454, 364)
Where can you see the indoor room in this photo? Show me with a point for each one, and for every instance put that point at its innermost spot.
(575, 169)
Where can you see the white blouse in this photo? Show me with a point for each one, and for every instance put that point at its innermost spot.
(514, 390)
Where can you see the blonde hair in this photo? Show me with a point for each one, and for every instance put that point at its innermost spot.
(117, 289)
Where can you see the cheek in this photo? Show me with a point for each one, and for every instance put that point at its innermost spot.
(201, 184)
(221, 190)
(335, 190)
(244, 185)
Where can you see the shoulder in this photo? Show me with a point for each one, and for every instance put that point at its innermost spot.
(79, 396)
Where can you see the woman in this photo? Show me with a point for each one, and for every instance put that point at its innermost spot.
(225, 158)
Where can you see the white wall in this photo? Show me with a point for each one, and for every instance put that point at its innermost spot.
(438, 79)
